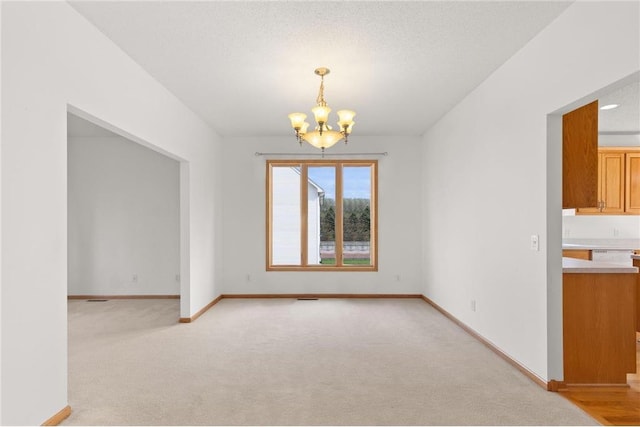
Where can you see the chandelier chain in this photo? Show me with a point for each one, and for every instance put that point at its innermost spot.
(320, 100)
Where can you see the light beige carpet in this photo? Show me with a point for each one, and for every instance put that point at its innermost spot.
(289, 362)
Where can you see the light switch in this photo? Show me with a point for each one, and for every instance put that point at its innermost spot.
(535, 242)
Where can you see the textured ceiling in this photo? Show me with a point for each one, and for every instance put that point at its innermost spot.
(243, 66)
(625, 118)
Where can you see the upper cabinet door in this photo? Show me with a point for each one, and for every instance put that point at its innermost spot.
(611, 182)
(580, 157)
(632, 176)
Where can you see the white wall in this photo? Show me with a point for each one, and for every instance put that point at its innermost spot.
(601, 226)
(53, 58)
(123, 219)
(399, 220)
(488, 184)
(618, 140)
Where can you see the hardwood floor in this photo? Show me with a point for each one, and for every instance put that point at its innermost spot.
(610, 405)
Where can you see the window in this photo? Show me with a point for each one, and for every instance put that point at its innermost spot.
(322, 215)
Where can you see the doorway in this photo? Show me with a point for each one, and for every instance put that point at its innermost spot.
(124, 222)
(124, 244)
(555, 221)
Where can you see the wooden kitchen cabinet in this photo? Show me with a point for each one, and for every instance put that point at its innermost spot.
(632, 183)
(611, 180)
(578, 253)
(618, 182)
(636, 263)
(599, 327)
(580, 157)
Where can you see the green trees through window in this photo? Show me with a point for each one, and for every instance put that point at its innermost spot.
(357, 226)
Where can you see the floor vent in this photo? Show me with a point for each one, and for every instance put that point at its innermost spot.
(97, 300)
(307, 299)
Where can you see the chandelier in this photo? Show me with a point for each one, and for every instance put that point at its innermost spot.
(323, 136)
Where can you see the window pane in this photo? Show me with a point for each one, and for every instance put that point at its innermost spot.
(356, 214)
(285, 215)
(321, 215)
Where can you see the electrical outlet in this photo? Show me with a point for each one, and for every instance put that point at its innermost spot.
(616, 232)
(397, 277)
(473, 305)
(134, 279)
(177, 278)
(248, 277)
(535, 242)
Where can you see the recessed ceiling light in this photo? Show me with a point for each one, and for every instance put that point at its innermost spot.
(609, 107)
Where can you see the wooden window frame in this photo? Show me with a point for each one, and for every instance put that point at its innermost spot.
(339, 165)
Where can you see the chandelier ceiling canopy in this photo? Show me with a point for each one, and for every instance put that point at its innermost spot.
(323, 136)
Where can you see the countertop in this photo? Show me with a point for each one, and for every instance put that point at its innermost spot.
(574, 265)
(605, 244)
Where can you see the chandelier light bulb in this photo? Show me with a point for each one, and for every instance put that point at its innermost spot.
(321, 113)
(345, 118)
(297, 120)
